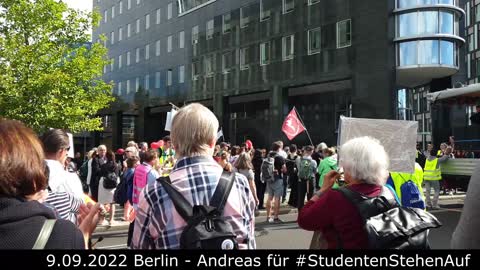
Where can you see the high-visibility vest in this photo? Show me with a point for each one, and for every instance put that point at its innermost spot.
(400, 178)
(431, 172)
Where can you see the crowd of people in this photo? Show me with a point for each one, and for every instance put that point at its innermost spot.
(39, 184)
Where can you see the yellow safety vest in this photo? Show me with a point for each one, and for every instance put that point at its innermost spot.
(431, 172)
(400, 178)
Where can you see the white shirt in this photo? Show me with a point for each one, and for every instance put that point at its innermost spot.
(89, 174)
(282, 154)
(63, 181)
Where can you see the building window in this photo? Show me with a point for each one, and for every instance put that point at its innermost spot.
(147, 51)
(244, 58)
(313, 2)
(147, 21)
(137, 29)
(195, 70)
(157, 48)
(227, 61)
(138, 2)
(288, 6)
(147, 82)
(181, 39)
(265, 9)
(244, 16)
(119, 92)
(169, 43)
(288, 47)
(105, 14)
(129, 30)
(129, 4)
(169, 11)
(157, 79)
(264, 53)
(120, 7)
(112, 38)
(120, 34)
(128, 58)
(128, 87)
(112, 64)
(120, 61)
(314, 41)
(137, 55)
(344, 34)
(159, 14)
(113, 12)
(404, 105)
(169, 77)
(226, 23)
(209, 65)
(210, 29)
(137, 84)
(195, 34)
(181, 74)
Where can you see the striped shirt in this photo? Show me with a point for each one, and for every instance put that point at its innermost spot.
(66, 205)
(159, 226)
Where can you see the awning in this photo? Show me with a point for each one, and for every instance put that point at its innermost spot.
(467, 91)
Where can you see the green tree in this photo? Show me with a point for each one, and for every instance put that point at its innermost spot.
(50, 72)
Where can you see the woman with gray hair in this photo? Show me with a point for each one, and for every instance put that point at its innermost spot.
(365, 165)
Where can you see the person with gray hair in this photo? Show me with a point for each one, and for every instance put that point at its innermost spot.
(196, 175)
(365, 164)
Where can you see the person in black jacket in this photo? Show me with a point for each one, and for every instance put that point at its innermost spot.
(257, 165)
(23, 186)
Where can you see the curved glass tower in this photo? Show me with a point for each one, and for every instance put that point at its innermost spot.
(427, 40)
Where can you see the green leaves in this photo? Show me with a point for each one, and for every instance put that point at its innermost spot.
(50, 73)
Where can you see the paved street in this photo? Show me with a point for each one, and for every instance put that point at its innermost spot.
(289, 236)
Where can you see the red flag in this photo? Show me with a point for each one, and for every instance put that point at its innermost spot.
(292, 126)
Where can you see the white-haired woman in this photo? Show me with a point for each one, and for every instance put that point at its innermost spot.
(365, 164)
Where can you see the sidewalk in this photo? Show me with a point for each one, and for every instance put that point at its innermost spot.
(285, 209)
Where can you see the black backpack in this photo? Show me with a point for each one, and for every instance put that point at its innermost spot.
(390, 226)
(206, 227)
(120, 195)
(110, 180)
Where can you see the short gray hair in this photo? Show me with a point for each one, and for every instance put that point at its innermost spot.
(194, 129)
(365, 159)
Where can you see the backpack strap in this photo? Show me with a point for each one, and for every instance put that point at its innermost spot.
(386, 199)
(181, 204)
(224, 186)
(44, 234)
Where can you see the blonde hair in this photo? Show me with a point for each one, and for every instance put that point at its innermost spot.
(194, 130)
(90, 153)
(243, 162)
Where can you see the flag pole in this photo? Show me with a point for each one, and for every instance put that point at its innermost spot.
(306, 130)
(174, 106)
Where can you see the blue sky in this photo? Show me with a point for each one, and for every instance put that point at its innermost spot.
(80, 4)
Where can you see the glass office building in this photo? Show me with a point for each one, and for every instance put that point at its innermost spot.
(251, 61)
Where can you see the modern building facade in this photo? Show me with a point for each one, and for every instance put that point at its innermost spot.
(251, 61)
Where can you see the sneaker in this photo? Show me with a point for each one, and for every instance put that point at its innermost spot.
(270, 220)
(277, 220)
(104, 223)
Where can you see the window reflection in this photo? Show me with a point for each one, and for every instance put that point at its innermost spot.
(426, 22)
(427, 52)
(408, 53)
(412, 3)
(447, 53)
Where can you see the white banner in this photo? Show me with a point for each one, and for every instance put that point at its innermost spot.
(168, 121)
(397, 136)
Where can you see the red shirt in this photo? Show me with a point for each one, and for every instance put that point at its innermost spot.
(336, 217)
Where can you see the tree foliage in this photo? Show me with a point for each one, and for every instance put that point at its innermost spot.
(50, 72)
